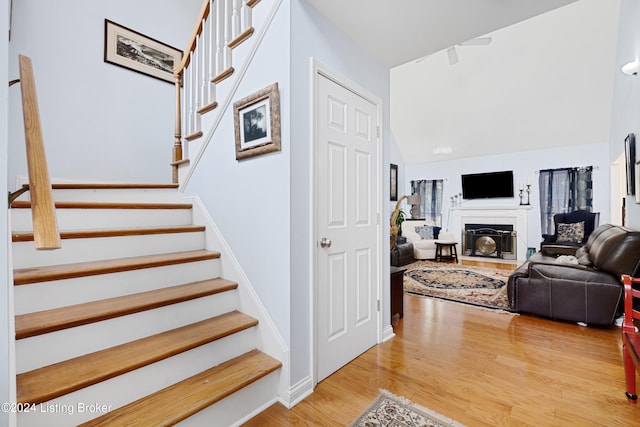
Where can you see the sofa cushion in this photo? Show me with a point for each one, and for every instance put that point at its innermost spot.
(572, 233)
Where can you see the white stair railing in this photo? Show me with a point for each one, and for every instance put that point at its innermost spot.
(207, 60)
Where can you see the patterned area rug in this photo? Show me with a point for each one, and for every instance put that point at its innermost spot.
(482, 286)
(395, 411)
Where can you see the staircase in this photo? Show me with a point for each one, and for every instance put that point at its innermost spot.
(129, 322)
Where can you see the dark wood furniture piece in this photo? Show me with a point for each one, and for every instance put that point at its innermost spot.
(402, 254)
(397, 291)
(450, 254)
(630, 335)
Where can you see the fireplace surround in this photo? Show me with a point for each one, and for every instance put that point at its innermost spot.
(495, 218)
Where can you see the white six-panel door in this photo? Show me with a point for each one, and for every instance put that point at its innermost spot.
(347, 225)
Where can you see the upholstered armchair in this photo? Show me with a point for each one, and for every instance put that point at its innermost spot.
(571, 230)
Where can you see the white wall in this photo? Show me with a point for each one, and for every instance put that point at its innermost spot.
(313, 36)
(625, 112)
(5, 276)
(100, 122)
(524, 166)
(249, 199)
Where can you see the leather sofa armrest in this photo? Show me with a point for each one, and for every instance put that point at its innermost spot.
(570, 272)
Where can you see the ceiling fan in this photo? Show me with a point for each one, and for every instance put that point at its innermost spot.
(453, 55)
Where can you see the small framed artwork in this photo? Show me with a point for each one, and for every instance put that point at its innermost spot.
(630, 160)
(257, 123)
(393, 180)
(129, 49)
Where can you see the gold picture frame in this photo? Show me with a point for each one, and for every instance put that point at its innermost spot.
(130, 49)
(257, 123)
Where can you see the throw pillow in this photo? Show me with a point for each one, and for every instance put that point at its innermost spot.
(570, 233)
(425, 232)
(436, 232)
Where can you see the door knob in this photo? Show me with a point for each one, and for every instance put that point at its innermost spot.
(325, 243)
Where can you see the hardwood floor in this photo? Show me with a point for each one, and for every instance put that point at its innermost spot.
(481, 368)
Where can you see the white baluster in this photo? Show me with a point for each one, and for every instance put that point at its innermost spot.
(204, 93)
(227, 33)
(191, 109)
(196, 85)
(220, 38)
(184, 110)
(237, 29)
(247, 15)
(212, 51)
(192, 88)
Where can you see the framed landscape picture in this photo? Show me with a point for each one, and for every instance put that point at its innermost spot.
(129, 49)
(257, 123)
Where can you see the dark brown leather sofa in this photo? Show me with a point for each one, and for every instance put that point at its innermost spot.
(589, 292)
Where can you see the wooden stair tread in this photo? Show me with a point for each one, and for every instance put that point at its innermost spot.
(42, 322)
(106, 205)
(179, 401)
(24, 276)
(49, 382)
(87, 234)
(115, 186)
(109, 185)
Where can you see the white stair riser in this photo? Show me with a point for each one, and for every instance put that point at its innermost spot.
(126, 388)
(61, 293)
(94, 249)
(234, 410)
(163, 195)
(87, 219)
(98, 336)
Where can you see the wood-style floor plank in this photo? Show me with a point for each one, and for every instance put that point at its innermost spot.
(481, 368)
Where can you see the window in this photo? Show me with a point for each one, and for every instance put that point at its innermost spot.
(431, 193)
(564, 190)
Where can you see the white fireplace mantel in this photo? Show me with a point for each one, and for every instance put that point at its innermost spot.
(509, 215)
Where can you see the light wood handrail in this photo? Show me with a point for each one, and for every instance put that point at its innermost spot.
(191, 46)
(45, 226)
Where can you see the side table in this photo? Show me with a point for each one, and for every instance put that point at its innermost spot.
(450, 250)
(397, 291)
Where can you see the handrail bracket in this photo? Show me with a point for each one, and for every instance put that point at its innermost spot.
(13, 196)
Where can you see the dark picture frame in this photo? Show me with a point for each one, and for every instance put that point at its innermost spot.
(393, 182)
(130, 49)
(257, 123)
(630, 160)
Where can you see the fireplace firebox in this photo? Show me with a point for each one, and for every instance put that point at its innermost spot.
(489, 240)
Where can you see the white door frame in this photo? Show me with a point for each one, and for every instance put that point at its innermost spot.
(318, 69)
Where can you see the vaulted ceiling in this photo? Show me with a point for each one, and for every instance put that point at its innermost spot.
(545, 80)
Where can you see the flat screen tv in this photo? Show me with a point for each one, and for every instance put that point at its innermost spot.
(487, 185)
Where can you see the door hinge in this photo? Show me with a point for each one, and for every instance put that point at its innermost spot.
(378, 131)
(378, 305)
